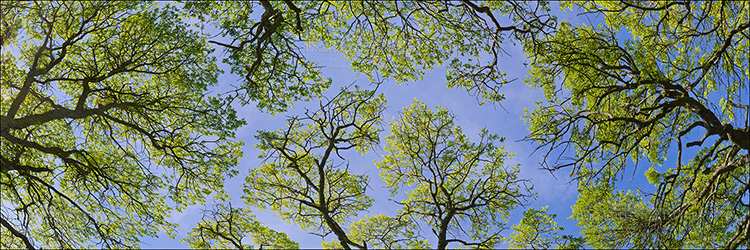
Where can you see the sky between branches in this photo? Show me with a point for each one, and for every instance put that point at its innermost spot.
(554, 190)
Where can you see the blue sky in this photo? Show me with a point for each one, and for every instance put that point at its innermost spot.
(556, 191)
(553, 191)
(504, 121)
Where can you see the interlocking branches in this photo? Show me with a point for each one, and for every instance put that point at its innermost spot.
(402, 39)
(622, 101)
(110, 90)
(452, 182)
(390, 39)
(301, 179)
(227, 227)
(265, 50)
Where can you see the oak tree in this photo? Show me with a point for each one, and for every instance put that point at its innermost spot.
(673, 97)
(397, 40)
(463, 191)
(105, 128)
(305, 178)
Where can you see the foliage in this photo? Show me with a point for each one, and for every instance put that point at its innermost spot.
(538, 230)
(616, 102)
(301, 178)
(383, 232)
(263, 49)
(226, 227)
(105, 126)
(303, 184)
(397, 40)
(104, 115)
(452, 184)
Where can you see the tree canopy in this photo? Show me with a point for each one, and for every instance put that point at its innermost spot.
(396, 40)
(672, 96)
(302, 179)
(538, 230)
(451, 183)
(105, 126)
(108, 124)
(225, 227)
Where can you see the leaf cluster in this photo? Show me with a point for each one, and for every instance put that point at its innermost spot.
(105, 126)
(615, 102)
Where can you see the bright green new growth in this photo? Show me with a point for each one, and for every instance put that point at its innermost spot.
(104, 115)
(538, 230)
(383, 232)
(227, 228)
(398, 40)
(303, 179)
(462, 190)
(106, 128)
(679, 85)
(263, 50)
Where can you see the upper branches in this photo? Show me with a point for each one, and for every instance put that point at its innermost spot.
(99, 94)
(616, 102)
(227, 227)
(264, 48)
(392, 39)
(301, 179)
(454, 183)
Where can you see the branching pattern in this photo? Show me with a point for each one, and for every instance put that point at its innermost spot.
(225, 227)
(397, 40)
(103, 121)
(680, 83)
(302, 180)
(462, 190)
